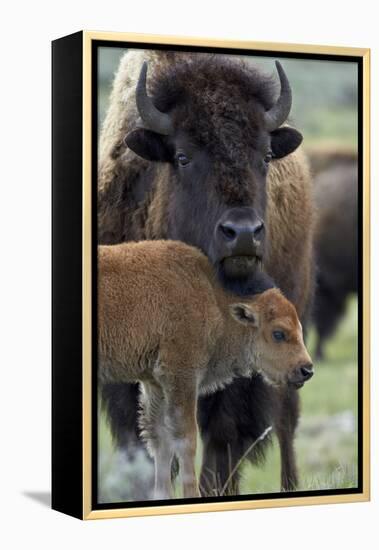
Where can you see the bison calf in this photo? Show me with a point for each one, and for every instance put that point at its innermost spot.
(164, 320)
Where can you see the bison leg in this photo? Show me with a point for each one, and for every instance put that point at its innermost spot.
(208, 476)
(181, 422)
(120, 403)
(156, 434)
(163, 457)
(287, 415)
(231, 420)
(219, 472)
(330, 304)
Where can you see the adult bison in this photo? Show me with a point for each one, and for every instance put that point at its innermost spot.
(336, 243)
(195, 151)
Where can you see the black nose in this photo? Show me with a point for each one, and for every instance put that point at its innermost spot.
(307, 371)
(234, 232)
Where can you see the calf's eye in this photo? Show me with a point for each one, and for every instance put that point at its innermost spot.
(278, 336)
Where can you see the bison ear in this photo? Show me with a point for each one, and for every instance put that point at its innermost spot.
(284, 141)
(148, 145)
(244, 314)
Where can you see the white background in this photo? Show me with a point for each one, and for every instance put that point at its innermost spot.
(26, 31)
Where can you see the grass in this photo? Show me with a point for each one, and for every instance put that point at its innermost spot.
(326, 442)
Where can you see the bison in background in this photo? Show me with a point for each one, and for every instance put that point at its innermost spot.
(323, 157)
(193, 149)
(336, 241)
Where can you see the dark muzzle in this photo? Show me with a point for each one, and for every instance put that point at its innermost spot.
(301, 375)
(239, 239)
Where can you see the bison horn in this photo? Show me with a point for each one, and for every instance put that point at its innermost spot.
(152, 118)
(280, 111)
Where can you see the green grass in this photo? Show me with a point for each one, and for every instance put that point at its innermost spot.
(326, 442)
(325, 125)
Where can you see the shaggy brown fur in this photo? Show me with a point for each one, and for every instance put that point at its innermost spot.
(166, 322)
(219, 102)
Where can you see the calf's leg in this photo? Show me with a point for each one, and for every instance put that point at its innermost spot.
(181, 398)
(163, 457)
(157, 437)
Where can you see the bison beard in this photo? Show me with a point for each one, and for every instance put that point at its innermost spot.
(140, 199)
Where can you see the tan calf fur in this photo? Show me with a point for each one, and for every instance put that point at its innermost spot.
(163, 320)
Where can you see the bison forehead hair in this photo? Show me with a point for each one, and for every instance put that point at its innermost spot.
(218, 100)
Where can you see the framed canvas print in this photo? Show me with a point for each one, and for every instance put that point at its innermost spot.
(210, 275)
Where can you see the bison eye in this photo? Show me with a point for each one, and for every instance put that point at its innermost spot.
(278, 336)
(182, 159)
(268, 157)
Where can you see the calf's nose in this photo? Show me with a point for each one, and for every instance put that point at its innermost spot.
(306, 371)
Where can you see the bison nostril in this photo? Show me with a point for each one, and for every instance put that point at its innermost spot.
(228, 231)
(257, 229)
(307, 372)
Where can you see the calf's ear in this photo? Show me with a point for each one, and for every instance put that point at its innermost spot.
(244, 314)
(148, 145)
(284, 141)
